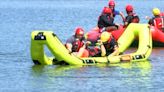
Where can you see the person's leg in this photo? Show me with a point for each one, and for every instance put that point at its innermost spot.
(111, 28)
(83, 52)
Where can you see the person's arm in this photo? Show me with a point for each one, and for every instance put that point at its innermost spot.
(69, 44)
(128, 20)
(102, 48)
(116, 51)
(114, 44)
(150, 22)
(122, 16)
(81, 51)
(69, 47)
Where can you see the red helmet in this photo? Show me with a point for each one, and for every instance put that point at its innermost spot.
(111, 3)
(79, 31)
(107, 10)
(129, 8)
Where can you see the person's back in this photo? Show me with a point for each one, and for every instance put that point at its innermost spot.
(159, 22)
(109, 43)
(93, 35)
(105, 18)
(105, 21)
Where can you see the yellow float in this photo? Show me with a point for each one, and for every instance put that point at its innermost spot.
(39, 39)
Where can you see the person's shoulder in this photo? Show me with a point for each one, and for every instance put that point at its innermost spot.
(114, 40)
(117, 12)
(103, 15)
(71, 39)
(129, 16)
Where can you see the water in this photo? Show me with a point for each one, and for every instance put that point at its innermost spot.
(18, 73)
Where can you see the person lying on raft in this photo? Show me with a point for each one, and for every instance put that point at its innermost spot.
(157, 20)
(75, 44)
(106, 45)
(106, 20)
(95, 50)
(131, 16)
(110, 44)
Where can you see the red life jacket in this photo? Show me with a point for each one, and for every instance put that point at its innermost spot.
(77, 45)
(93, 51)
(159, 22)
(93, 35)
(162, 14)
(135, 19)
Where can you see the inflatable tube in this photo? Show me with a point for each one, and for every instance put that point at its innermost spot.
(162, 14)
(61, 54)
(157, 36)
(117, 33)
(144, 47)
(39, 39)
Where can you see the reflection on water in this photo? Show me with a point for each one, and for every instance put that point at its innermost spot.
(56, 70)
(158, 51)
(125, 74)
(136, 73)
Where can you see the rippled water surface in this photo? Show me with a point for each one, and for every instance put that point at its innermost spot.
(18, 73)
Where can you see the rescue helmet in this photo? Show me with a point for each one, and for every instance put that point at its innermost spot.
(79, 31)
(105, 36)
(156, 11)
(107, 10)
(129, 8)
(111, 3)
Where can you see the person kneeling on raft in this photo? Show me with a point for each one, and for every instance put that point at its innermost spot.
(131, 16)
(106, 20)
(75, 44)
(106, 46)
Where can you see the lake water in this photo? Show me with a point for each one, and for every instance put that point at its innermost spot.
(18, 73)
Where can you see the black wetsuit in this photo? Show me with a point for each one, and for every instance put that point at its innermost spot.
(105, 21)
(110, 45)
(132, 19)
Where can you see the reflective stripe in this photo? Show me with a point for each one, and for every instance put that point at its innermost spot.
(159, 22)
(162, 22)
(155, 24)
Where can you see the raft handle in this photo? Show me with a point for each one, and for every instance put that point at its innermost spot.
(88, 61)
(40, 36)
(36, 62)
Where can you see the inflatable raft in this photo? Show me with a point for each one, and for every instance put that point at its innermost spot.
(61, 54)
(157, 36)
